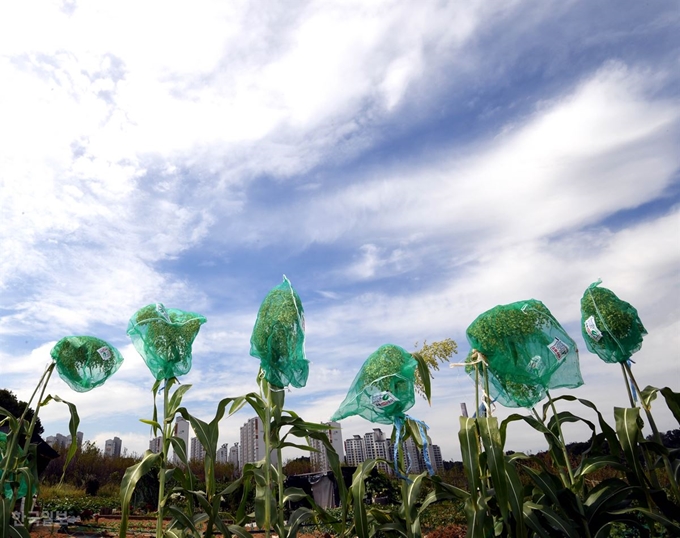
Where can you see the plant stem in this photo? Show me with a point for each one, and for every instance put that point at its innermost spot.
(476, 389)
(46, 376)
(14, 439)
(563, 445)
(487, 397)
(627, 382)
(267, 458)
(167, 425)
(279, 466)
(404, 492)
(569, 469)
(657, 436)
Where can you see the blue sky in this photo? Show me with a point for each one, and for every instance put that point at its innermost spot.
(408, 165)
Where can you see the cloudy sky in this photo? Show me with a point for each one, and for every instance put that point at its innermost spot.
(408, 165)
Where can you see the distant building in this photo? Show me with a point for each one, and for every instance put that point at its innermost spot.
(319, 460)
(376, 445)
(64, 441)
(112, 447)
(223, 453)
(252, 443)
(354, 450)
(437, 461)
(156, 445)
(197, 450)
(182, 431)
(414, 458)
(233, 456)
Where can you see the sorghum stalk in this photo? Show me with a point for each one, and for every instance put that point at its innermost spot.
(267, 458)
(566, 459)
(404, 491)
(166, 432)
(14, 439)
(657, 435)
(627, 382)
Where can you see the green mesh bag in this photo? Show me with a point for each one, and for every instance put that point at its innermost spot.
(163, 337)
(278, 338)
(611, 327)
(23, 486)
(85, 362)
(527, 350)
(384, 388)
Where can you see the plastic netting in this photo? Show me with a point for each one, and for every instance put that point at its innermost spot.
(22, 490)
(163, 337)
(85, 362)
(611, 327)
(384, 387)
(278, 338)
(527, 352)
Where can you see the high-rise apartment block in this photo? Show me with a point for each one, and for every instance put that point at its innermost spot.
(376, 445)
(319, 460)
(197, 450)
(64, 441)
(233, 456)
(182, 431)
(112, 447)
(437, 460)
(354, 450)
(156, 445)
(223, 454)
(252, 443)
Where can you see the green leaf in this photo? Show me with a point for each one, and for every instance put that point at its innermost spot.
(515, 496)
(129, 482)
(628, 428)
(358, 492)
(673, 402)
(608, 495)
(606, 429)
(72, 428)
(495, 460)
(298, 517)
(175, 401)
(293, 495)
(555, 521)
(181, 520)
(534, 523)
(470, 452)
(424, 374)
(156, 426)
(239, 531)
(591, 465)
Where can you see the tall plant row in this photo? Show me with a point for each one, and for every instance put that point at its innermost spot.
(519, 353)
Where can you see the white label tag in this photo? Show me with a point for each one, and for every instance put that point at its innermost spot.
(105, 353)
(383, 399)
(592, 330)
(558, 348)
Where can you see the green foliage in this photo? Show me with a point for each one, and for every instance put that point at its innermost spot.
(384, 387)
(278, 337)
(524, 352)
(432, 354)
(85, 362)
(611, 327)
(67, 498)
(18, 457)
(163, 337)
(560, 497)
